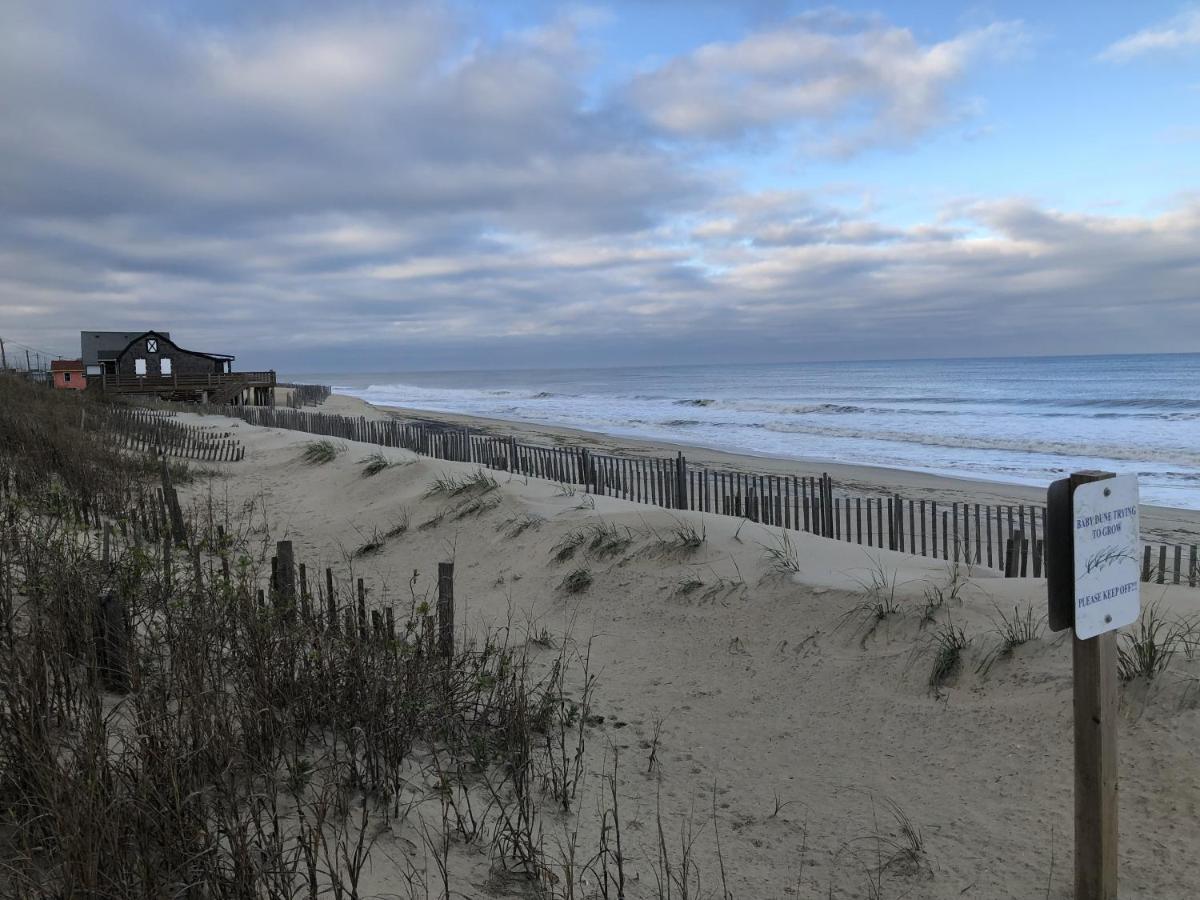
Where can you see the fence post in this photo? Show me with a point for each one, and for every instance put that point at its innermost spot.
(285, 578)
(681, 486)
(113, 646)
(445, 609)
(331, 601)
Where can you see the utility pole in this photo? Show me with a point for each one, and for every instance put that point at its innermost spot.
(28, 367)
(3, 358)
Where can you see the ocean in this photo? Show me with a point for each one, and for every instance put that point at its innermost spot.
(1021, 420)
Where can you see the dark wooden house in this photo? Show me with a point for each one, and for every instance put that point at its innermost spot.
(151, 363)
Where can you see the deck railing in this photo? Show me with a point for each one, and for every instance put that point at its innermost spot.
(211, 380)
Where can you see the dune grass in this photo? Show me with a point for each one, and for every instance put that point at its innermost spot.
(446, 485)
(577, 581)
(319, 453)
(1148, 648)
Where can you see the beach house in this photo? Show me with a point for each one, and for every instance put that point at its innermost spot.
(150, 363)
(68, 374)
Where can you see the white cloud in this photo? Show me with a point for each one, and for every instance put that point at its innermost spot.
(392, 180)
(852, 82)
(1179, 33)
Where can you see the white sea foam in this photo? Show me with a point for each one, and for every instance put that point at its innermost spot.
(1025, 420)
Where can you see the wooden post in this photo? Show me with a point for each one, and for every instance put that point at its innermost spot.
(113, 649)
(285, 578)
(445, 609)
(362, 609)
(1094, 661)
(681, 485)
(331, 601)
(1095, 664)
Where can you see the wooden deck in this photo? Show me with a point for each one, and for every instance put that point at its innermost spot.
(218, 388)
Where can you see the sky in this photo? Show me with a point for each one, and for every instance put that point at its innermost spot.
(384, 186)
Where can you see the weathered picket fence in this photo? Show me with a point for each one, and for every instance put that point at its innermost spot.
(301, 395)
(1006, 537)
(153, 430)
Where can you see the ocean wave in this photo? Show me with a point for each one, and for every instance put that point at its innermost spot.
(979, 442)
(1160, 403)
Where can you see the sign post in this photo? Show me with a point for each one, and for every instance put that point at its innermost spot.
(1093, 586)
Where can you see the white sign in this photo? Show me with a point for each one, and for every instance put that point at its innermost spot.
(1107, 578)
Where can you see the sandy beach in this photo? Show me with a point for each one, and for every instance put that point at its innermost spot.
(1166, 524)
(777, 711)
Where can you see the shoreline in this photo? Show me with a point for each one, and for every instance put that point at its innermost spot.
(1159, 523)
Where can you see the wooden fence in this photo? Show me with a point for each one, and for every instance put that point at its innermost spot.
(1008, 538)
(138, 429)
(301, 395)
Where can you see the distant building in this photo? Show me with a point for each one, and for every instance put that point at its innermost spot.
(68, 374)
(150, 363)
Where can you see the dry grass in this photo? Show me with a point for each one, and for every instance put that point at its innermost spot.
(949, 641)
(374, 464)
(597, 540)
(319, 453)
(250, 750)
(478, 482)
(781, 557)
(577, 581)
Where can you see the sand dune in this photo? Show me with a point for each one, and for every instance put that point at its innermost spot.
(793, 710)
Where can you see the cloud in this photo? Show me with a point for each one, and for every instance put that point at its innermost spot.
(393, 187)
(1180, 33)
(862, 79)
(374, 111)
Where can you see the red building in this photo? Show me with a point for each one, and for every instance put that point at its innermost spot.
(68, 374)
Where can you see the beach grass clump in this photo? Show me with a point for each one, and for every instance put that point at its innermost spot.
(879, 602)
(1013, 631)
(681, 539)
(949, 592)
(371, 545)
(904, 852)
(598, 540)
(782, 558)
(433, 521)
(400, 525)
(476, 506)
(1147, 650)
(374, 464)
(318, 453)
(577, 581)
(518, 525)
(949, 642)
(445, 485)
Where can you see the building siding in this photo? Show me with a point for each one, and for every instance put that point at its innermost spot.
(183, 362)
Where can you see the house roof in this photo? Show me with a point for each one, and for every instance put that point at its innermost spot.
(97, 345)
(66, 365)
(165, 336)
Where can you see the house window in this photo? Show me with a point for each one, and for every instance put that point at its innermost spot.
(139, 366)
(66, 376)
(165, 365)
(152, 345)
